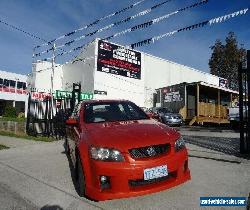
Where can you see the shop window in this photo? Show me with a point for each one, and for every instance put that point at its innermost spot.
(6, 82)
(12, 83)
(24, 86)
(19, 85)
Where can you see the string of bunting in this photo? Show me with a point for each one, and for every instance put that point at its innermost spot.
(82, 47)
(210, 22)
(21, 30)
(155, 21)
(142, 13)
(91, 24)
(168, 34)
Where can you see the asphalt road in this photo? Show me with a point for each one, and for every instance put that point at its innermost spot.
(37, 176)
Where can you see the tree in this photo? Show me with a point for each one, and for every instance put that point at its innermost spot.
(225, 59)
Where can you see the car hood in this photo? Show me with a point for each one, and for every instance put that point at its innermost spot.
(172, 114)
(129, 134)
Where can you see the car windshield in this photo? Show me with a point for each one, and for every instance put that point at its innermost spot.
(165, 110)
(112, 111)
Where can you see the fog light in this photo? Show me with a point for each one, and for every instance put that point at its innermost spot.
(104, 182)
(103, 179)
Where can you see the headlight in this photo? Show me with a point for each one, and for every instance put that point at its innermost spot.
(106, 154)
(179, 144)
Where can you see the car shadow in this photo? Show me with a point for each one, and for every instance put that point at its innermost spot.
(228, 146)
(53, 207)
(73, 173)
(72, 168)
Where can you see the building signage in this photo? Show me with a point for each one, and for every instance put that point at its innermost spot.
(173, 97)
(12, 90)
(118, 60)
(100, 92)
(59, 95)
(40, 96)
(66, 94)
(223, 83)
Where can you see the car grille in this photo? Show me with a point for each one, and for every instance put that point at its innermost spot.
(176, 117)
(150, 151)
(142, 182)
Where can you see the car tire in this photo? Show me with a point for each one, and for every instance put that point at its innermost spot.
(163, 120)
(67, 152)
(80, 178)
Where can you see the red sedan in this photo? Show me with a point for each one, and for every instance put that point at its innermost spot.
(118, 151)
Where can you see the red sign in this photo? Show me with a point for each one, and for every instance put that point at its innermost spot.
(12, 90)
(40, 96)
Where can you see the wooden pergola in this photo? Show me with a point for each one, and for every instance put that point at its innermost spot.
(212, 103)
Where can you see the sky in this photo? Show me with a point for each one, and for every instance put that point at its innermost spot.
(50, 19)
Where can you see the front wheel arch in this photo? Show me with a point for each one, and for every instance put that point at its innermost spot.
(79, 175)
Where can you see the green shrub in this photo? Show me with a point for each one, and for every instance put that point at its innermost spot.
(9, 111)
(21, 115)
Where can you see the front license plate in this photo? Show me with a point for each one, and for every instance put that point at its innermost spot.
(156, 172)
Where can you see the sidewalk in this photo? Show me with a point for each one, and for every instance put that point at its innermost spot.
(17, 142)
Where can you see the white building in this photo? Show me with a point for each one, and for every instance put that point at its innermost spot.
(13, 91)
(112, 71)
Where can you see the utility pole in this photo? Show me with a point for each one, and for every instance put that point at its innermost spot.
(52, 78)
(244, 106)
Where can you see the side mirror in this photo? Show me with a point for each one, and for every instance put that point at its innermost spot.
(149, 114)
(72, 122)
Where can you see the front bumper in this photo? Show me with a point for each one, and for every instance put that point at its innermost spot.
(126, 178)
(174, 122)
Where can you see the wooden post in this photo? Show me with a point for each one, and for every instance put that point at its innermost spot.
(219, 102)
(231, 99)
(198, 99)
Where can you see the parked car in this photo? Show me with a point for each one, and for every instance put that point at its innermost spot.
(151, 114)
(168, 117)
(118, 151)
(234, 114)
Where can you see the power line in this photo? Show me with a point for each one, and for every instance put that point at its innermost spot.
(21, 30)
(25, 32)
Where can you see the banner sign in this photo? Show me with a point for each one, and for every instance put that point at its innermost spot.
(40, 96)
(118, 60)
(66, 94)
